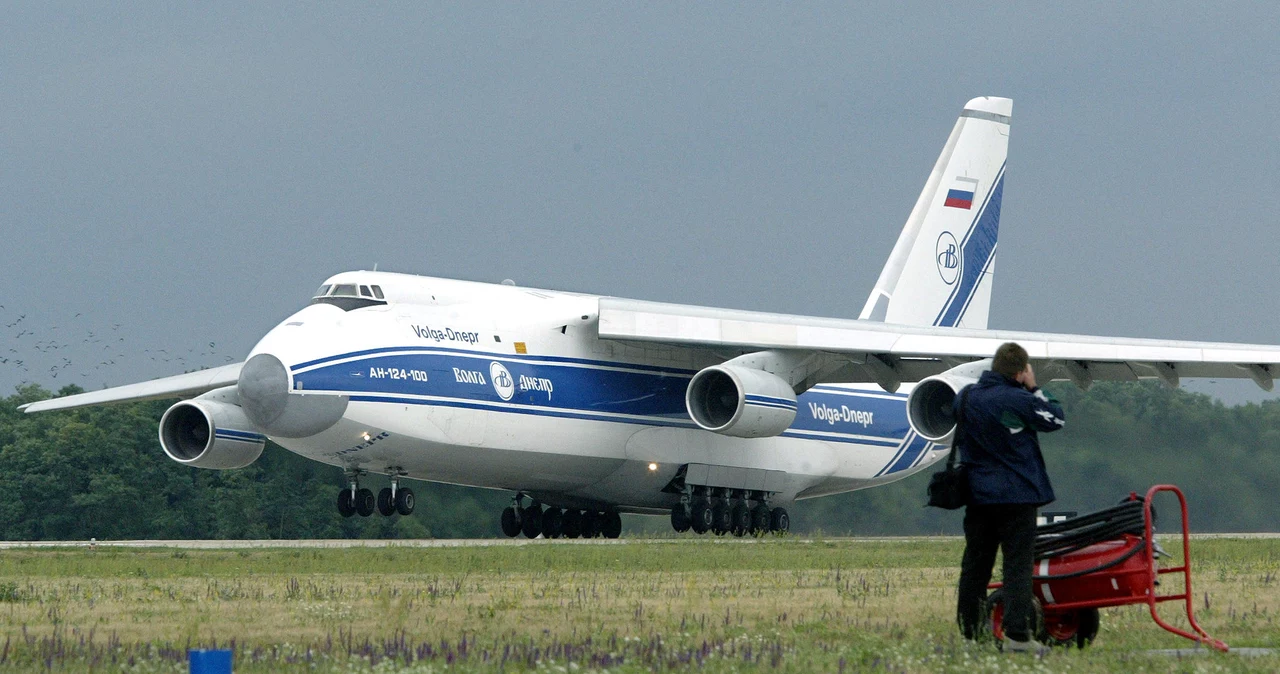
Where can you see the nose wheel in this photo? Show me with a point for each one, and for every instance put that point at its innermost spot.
(357, 500)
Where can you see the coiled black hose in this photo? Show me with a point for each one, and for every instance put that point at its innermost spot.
(1077, 533)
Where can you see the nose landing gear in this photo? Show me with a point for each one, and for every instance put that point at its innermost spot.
(355, 499)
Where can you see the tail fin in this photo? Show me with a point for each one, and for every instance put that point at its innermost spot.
(941, 269)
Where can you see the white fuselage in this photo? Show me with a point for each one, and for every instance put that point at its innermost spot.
(510, 388)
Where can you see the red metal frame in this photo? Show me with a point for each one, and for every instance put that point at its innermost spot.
(1151, 571)
(1152, 598)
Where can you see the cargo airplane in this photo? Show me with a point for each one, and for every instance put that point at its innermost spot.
(584, 407)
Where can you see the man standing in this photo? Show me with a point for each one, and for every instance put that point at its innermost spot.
(997, 429)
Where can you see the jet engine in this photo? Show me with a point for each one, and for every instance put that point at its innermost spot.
(209, 434)
(929, 404)
(265, 395)
(740, 401)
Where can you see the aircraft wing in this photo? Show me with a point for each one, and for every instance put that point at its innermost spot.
(888, 354)
(177, 386)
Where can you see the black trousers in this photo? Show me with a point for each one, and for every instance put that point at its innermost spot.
(1012, 529)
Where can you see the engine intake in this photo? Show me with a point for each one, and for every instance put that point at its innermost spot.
(930, 402)
(209, 434)
(741, 402)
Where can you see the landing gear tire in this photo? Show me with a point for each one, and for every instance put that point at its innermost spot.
(510, 526)
(680, 521)
(611, 524)
(590, 524)
(779, 521)
(531, 521)
(741, 516)
(703, 517)
(404, 501)
(346, 504)
(760, 519)
(723, 516)
(365, 502)
(386, 506)
(552, 523)
(571, 524)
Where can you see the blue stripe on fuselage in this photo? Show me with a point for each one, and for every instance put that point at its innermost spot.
(572, 388)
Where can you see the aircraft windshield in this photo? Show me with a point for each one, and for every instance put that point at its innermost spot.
(348, 296)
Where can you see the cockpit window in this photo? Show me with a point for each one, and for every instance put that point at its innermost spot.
(349, 296)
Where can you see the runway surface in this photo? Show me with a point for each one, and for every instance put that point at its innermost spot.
(487, 542)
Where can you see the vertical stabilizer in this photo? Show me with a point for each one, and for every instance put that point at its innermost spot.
(940, 271)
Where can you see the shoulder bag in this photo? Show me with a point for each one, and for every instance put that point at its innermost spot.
(949, 487)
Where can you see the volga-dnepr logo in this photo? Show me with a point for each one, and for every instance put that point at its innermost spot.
(948, 258)
(503, 384)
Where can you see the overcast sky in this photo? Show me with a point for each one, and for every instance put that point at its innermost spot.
(173, 177)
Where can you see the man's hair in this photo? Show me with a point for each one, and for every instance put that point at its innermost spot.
(1010, 359)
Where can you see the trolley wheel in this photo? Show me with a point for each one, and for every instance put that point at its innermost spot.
(1078, 628)
(992, 625)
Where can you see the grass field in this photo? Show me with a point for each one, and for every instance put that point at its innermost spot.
(787, 605)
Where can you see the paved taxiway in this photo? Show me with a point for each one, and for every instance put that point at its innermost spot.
(485, 542)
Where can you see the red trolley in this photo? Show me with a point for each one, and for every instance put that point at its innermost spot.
(1072, 581)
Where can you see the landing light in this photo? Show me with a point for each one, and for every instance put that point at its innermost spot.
(365, 435)
(653, 467)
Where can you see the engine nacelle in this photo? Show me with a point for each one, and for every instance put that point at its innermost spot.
(740, 401)
(929, 404)
(209, 434)
(264, 393)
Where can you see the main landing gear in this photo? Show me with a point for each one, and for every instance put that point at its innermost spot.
(359, 500)
(551, 522)
(725, 511)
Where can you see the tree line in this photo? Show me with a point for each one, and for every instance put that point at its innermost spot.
(99, 472)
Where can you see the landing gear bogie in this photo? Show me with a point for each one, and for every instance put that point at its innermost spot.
(722, 511)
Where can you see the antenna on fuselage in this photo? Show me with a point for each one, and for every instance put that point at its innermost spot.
(508, 282)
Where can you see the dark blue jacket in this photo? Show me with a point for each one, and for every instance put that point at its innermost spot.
(998, 443)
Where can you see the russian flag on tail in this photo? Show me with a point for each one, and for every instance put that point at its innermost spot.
(961, 193)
